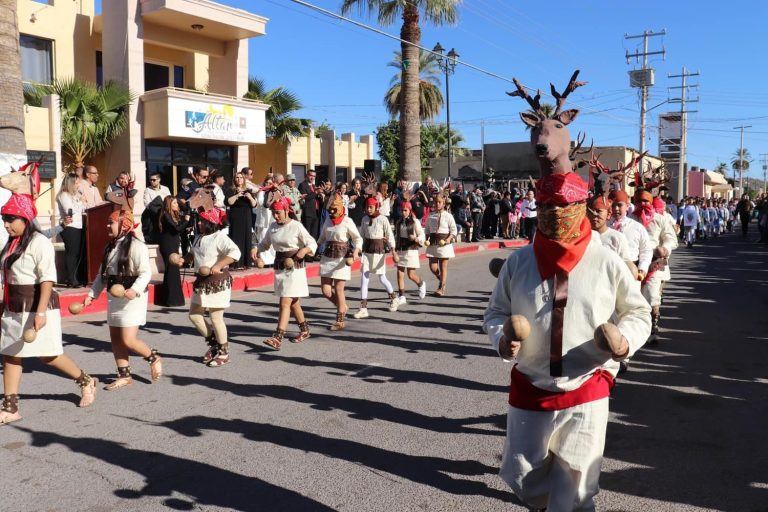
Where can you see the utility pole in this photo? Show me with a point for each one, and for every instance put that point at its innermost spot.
(643, 78)
(765, 169)
(482, 147)
(741, 157)
(683, 99)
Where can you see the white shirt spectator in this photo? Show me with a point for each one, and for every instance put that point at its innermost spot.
(151, 193)
(66, 202)
(528, 210)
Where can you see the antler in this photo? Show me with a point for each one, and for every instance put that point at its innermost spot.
(580, 138)
(595, 163)
(533, 102)
(572, 85)
(632, 163)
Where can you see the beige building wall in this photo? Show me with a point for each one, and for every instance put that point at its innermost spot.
(311, 151)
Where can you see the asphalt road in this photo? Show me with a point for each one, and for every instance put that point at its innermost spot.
(399, 412)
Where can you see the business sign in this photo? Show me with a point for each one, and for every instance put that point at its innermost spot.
(670, 126)
(213, 121)
(47, 167)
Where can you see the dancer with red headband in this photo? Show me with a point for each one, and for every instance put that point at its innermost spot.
(663, 240)
(292, 244)
(378, 241)
(441, 232)
(570, 289)
(409, 238)
(598, 213)
(640, 249)
(335, 267)
(31, 321)
(126, 263)
(212, 251)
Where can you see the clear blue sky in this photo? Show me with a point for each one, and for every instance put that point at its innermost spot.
(339, 71)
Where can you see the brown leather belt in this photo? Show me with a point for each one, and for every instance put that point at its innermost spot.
(213, 283)
(560, 300)
(374, 246)
(434, 238)
(336, 249)
(24, 298)
(406, 244)
(281, 256)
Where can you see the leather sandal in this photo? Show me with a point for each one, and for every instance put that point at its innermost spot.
(213, 345)
(155, 364)
(87, 388)
(222, 356)
(339, 324)
(10, 409)
(276, 340)
(303, 333)
(123, 379)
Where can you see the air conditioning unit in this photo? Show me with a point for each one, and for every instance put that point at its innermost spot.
(641, 78)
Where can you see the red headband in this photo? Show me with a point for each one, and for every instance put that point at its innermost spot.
(282, 204)
(619, 196)
(215, 216)
(601, 203)
(406, 205)
(372, 201)
(561, 189)
(643, 195)
(20, 205)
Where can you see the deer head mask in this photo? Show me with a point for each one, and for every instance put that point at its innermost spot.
(549, 135)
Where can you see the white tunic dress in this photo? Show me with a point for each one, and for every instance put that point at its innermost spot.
(336, 268)
(124, 312)
(37, 265)
(289, 237)
(207, 250)
(440, 223)
(377, 228)
(410, 258)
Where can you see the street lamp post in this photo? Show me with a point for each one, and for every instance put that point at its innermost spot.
(447, 63)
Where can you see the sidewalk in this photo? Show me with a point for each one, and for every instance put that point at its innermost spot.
(253, 278)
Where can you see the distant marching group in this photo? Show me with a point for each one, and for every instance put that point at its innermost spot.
(31, 320)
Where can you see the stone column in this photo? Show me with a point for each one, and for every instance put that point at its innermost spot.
(123, 58)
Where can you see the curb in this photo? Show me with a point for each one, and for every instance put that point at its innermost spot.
(258, 279)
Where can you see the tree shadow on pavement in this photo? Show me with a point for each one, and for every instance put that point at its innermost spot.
(357, 408)
(166, 475)
(426, 470)
(690, 413)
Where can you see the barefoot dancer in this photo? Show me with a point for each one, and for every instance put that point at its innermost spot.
(409, 237)
(292, 243)
(441, 232)
(125, 262)
(336, 233)
(378, 240)
(30, 302)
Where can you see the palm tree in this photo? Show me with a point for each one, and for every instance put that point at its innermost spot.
(437, 135)
(722, 168)
(12, 144)
(741, 160)
(546, 108)
(437, 12)
(430, 96)
(280, 123)
(91, 116)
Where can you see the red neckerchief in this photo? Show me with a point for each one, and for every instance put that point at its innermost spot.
(644, 214)
(13, 243)
(552, 256)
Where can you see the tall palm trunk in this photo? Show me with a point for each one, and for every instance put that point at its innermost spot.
(410, 123)
(12, 144)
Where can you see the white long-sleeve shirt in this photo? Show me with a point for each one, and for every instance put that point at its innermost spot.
(640, 249)
(150, 194)
(600, 289)
(528, 209)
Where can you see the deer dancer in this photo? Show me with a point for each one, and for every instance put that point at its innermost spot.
(569, 287)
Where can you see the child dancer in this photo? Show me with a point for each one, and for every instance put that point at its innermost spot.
(212, 251)
(441, 232)
(30, 302)
(409, 238)
(292, 243)
(334, 270)
(125, 262)
(378, 240)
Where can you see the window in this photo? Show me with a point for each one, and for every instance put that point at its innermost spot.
(36, 59)
(156, 76)
(300, 171)
(178, 77)
(359, 171)
(341, 174)
(99, 69)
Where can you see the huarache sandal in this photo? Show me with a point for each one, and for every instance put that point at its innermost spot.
(9, 412)
(303, 333)
(123, 379)
(87, 388)
(276, 340)
(155, 364)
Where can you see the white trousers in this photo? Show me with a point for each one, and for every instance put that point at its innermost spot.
(552, 458)
(652, 289)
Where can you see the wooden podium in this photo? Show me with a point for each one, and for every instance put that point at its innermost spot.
(95, 224)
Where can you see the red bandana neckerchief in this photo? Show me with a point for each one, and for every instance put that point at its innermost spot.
(644, 214)
(553, 257)
(12, 244)
(337, 220)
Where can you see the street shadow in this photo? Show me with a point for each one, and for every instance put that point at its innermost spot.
(166, 475)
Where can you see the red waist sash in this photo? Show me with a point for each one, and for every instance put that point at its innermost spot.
(524, 395)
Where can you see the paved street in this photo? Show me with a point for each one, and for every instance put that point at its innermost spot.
(400, 415)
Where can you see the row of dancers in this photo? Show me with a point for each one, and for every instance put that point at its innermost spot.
(31, 319)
